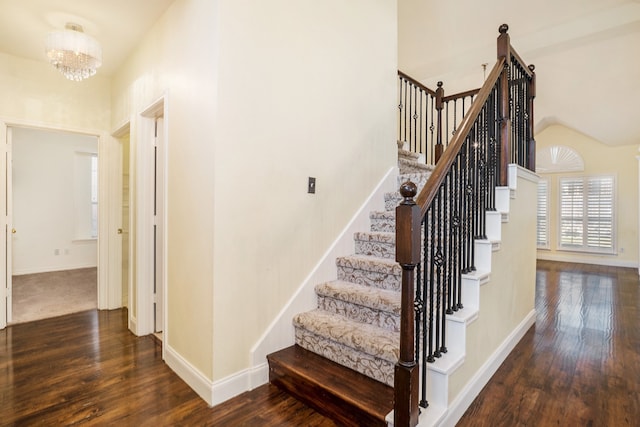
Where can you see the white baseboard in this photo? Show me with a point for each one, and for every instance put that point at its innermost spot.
(189, 374)
(52, 269)
(133, 325)
(577, 258)
(471, 390)
(220, 391)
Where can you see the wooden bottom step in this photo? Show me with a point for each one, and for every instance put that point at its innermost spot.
(344, 395)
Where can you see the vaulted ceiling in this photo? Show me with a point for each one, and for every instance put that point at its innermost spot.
(586, 53)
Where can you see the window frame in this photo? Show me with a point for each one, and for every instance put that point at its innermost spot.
(587, 200)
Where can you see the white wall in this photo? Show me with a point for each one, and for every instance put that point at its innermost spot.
(47, 180)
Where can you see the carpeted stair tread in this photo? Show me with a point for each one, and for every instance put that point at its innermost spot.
(384, 221)
(361, 337)
(408, 155)
(418, 178)
(382, 273)
(375, 243)
(375, 298)
(411, 166)
(372, 340)
(369, 263)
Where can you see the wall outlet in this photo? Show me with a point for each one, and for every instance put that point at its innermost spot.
(311, 188)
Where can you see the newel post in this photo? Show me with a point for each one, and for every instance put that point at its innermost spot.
(439, 107)
(532, 141)
(406, 383)
(504, 51)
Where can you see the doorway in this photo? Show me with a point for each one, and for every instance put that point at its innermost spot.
(52, 201)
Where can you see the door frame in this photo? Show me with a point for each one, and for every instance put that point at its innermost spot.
(109, 288)
(144, 204)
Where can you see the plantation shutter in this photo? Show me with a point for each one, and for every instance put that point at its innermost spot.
(586, 213)
(571, 211)
(542, 234)
(600, 212)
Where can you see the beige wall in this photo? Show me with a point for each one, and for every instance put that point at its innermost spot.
(261, 96)
(307, 88)
(598, 159)
(177, 59)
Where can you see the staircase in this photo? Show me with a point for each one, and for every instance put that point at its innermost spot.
(356, 324)
(357, 356)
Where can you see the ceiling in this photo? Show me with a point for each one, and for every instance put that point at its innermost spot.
(586, 53)
(117, 24)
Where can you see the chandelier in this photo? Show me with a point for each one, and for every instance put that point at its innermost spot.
(76, 55)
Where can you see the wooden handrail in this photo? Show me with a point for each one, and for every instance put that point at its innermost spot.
(464, 94)
(521, 62)
(438, 175)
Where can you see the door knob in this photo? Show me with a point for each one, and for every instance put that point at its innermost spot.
(119, 230)
(13, 231)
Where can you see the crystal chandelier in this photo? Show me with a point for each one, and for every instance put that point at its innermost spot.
(76, 55)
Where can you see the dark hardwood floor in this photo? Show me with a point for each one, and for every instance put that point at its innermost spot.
(87, 368)
(578, 366)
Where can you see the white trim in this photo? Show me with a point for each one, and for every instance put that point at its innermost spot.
(53, 269)
(107, 295)
(219, 391)
(464, 399)
(144, 216)
(606, 259)
(279, 334)
(189, 374)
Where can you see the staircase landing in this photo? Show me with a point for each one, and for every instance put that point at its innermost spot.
(344, 395)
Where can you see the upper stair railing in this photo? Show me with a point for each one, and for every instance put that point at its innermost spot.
(435, 233)
(427, 119)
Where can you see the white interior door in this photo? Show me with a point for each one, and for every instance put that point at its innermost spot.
(158, 228)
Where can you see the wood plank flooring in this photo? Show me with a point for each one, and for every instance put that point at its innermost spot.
(87, 368)
(579, 365)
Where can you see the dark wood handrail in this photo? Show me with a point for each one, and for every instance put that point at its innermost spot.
(464, 94)
(416, 83)
(432, 186)
(521, 62)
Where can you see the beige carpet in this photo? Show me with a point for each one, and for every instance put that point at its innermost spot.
(43, 295)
